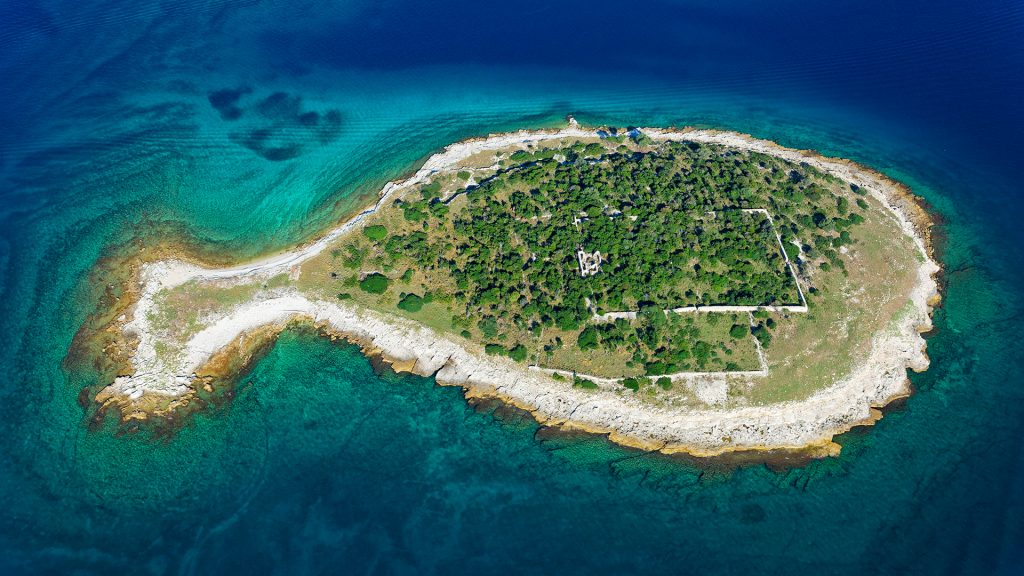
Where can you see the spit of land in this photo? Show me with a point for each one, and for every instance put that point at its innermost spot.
(681, 290)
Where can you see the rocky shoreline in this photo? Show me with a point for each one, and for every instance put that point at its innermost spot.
(148, 388)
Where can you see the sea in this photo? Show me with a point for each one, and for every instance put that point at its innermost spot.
(241, 128)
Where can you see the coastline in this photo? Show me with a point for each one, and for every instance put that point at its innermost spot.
(145, 388)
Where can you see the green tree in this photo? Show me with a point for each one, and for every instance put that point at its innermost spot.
(587, 340)
(738, 331)
(489, 327)
(410, 303)
(518, 353)
(374, 283)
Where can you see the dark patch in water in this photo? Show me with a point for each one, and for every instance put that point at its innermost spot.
(752, 514)
(281, 153)
(226, 101)
(261, 142)
(280, 106)
(331, 126)
(286, 128)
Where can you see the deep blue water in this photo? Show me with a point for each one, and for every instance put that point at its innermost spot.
(120, 118)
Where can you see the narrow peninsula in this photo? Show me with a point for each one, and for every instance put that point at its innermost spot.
(683, 290)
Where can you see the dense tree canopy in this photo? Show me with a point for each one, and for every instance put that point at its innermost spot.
(677, 225)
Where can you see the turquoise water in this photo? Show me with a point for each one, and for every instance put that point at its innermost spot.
(320, 465)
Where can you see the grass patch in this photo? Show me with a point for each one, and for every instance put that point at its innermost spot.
(376, 232)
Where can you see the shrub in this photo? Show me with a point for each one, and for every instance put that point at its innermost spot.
(631, 383)
(738, 331)
(344, 296)
(413, 213)
(489, 327)
(642, 139)
(764, 337)
(702, 352)
(587, 340)
(463, 175)
(517, 353)
(655, 368)
(374, 283)
(792, 252)
(664, 382)
(842, 205)
(355, 257)
(495, 349)
(376, 232)
(438, 208)
(431, 190)
(578, 382)
(410, 303)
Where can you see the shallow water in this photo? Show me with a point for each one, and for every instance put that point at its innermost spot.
(320, 465)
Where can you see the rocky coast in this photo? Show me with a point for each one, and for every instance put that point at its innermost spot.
(151, 385)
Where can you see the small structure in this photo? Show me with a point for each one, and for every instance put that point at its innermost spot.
(590, 262)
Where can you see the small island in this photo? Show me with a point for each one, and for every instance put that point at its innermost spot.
(685, 291)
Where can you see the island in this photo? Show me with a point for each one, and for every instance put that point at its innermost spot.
(679, 290)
